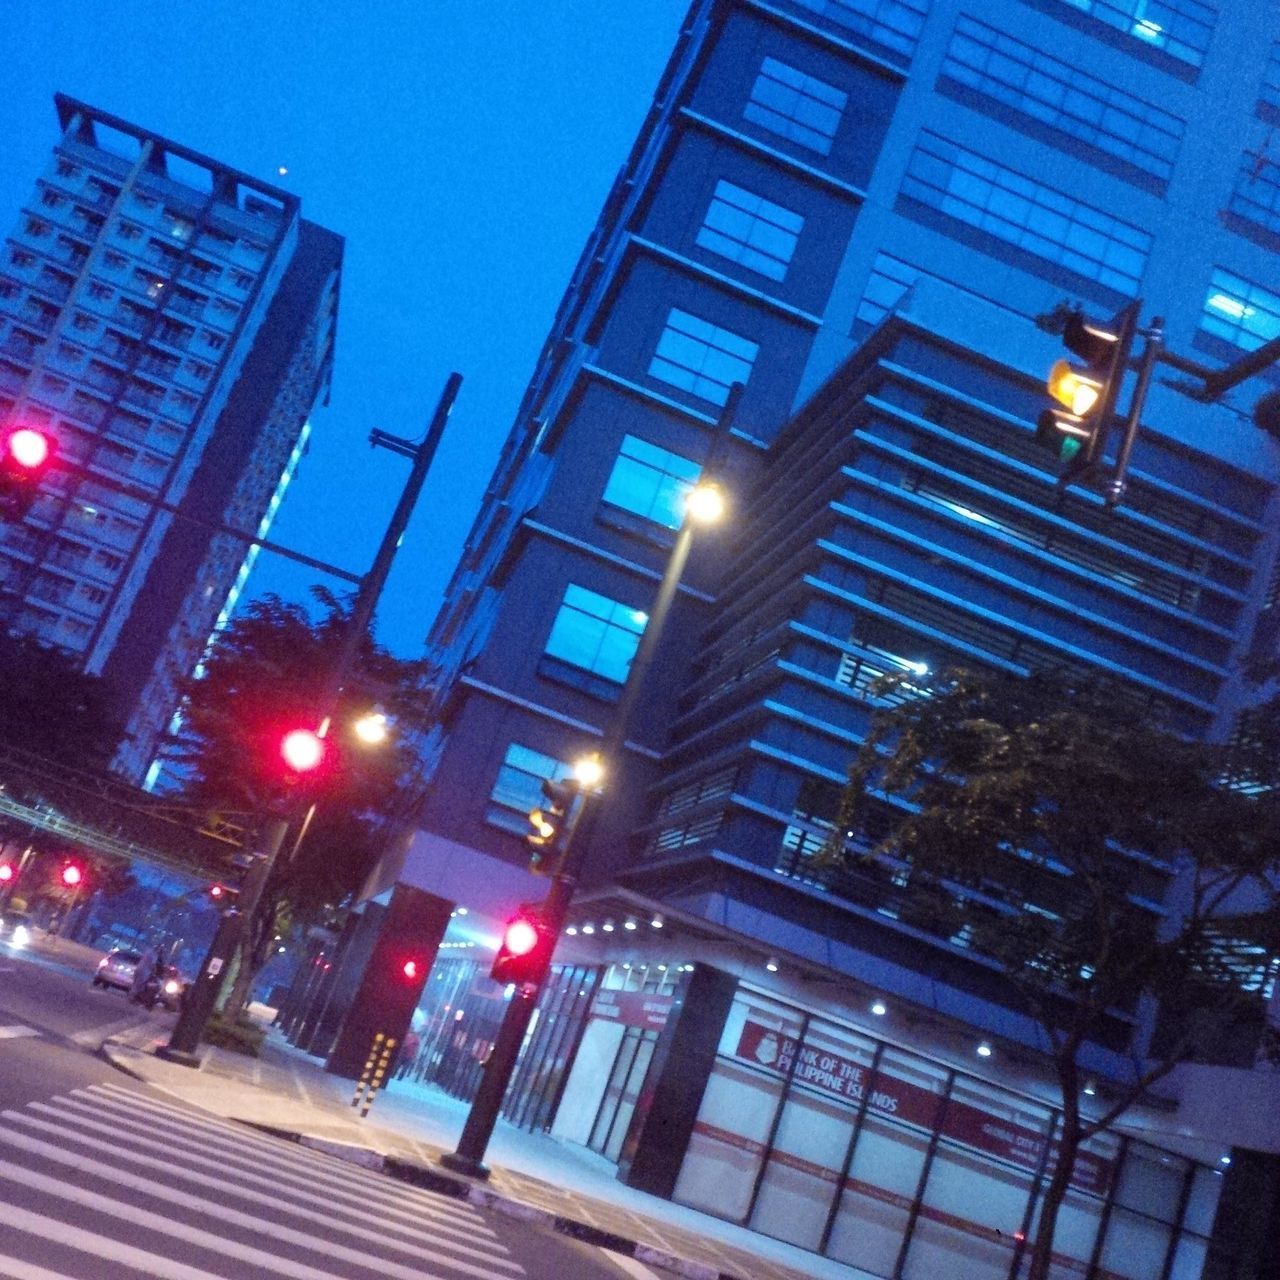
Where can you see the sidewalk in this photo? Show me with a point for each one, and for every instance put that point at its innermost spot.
(535, 1177)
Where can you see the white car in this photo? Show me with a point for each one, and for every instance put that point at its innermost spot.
(116, 969)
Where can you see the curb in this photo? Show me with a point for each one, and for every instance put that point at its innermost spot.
(477, 1194)
(427, 1178)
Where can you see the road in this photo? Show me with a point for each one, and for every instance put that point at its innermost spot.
(102, 1178)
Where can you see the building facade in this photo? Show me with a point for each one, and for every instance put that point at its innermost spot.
(171, 321)
(856, 209)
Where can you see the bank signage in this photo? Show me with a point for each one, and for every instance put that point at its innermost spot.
(632, 1008)
(843, 1077)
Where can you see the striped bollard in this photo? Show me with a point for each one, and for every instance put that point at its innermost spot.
(368, 1069)
(384, 1060)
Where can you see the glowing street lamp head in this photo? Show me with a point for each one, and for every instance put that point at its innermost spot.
(371, 728)
(302, 750)
(705, 502)
(589, 771)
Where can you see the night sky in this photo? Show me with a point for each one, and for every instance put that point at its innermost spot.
(463, 150)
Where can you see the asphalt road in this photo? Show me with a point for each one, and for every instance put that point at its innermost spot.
(103, 1178)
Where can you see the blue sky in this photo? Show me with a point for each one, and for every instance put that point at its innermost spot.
(463, 149)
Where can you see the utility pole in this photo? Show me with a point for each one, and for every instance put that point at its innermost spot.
(274, 826)
(575, 842)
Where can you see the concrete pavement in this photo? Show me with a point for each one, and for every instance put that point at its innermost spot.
(534, 1177)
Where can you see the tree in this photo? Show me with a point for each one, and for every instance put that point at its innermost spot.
(264, 676)
(1026, 807)
(52, 709)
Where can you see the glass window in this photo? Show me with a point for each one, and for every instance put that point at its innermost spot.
(1239, 312)
(702, 358)
(894, 24)
(749, 229)
(651, 482)
(596, 633)
(1256, 194)
(1037, 219)
(1269, 90)
(518, 787)
(1066, 97)
(1180, 27)
(795, 106)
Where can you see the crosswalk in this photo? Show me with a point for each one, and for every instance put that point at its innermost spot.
(107, 1182)
(17, 1032)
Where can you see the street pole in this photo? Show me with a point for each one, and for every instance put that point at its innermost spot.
(213, 970)
(575, 844)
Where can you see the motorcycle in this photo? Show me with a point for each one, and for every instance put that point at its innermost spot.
(166, 989)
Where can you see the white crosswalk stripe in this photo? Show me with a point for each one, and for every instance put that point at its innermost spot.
(141, 1183)
(17, 1032)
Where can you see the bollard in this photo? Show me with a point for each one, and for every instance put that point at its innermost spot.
(368, 1069)
(384, 1060)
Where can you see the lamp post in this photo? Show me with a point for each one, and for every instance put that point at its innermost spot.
(705, 504)
(274, 826)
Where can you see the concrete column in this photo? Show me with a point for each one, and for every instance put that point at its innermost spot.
(385, 997)
(672, 1092)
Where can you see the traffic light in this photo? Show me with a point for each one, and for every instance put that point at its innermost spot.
(222, 895)
(1086, 391)
(303, 751)
(25, 455)
(71, 875)
(6, 873)
(547, 821)
(525, 953)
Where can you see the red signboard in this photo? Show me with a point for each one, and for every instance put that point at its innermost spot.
(632, 1008)
(889, 1095)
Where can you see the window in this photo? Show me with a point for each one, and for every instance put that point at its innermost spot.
(66, 169)
(1041, 221)
(651, 482)
(795, 106)
(50, 198)
(129, 231)
(596, 633)
(701, 357)
(749, 229)
(21, 257)
(1180, 27)
(518, 787)
(241, 280)
(1269, 90)
(178, 227)
(893, 24)
(84, 323)
(214, 341)
(36, 227)
(1241, 313)
(1065, 97)
(1256, 194)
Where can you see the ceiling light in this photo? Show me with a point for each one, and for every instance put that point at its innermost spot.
(879, 1008)
(656, 922)
(629, 924)
(984, 1050)
(771, 964)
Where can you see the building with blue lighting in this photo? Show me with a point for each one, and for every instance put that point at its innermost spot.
(171, 321)
(856, 208)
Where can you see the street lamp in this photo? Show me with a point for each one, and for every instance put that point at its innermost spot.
(704, 504)
(308, 747)
(371, 728)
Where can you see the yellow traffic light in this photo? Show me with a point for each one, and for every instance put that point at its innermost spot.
(1076, 390)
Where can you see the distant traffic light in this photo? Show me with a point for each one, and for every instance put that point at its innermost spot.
(71, 875)
(25, 455)
(547, 821)
(1086, 391)
(222, 895)
(6, 872)
(525, 952)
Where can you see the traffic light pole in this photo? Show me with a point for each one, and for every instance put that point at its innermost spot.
(213, 970)
(468, 1158)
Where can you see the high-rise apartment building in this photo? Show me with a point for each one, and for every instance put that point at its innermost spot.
(856, 208)
(171, 321)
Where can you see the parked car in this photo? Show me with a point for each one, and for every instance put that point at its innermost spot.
(116, 969)
(17, 928)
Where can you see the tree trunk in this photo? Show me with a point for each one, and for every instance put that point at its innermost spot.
(1054, 1194)
(253, 953)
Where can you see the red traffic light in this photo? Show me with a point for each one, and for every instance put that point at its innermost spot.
(410, 969)
(521, 937)
(302, 750)
(525, 953)
(28, 448)
(71, 875)
(6, 873)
